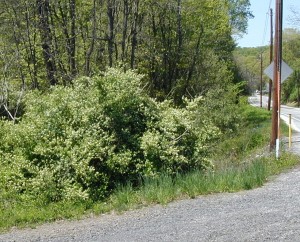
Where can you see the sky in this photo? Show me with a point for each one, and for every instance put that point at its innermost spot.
(259, 27)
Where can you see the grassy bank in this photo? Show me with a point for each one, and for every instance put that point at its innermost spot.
(241, 162)
(166, 189)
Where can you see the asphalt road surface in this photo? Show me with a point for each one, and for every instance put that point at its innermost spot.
(284, 111)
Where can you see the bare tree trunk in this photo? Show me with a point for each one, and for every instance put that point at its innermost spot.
(17, 41)
(134, 33)
(125, 26)
(43, 8)
(32, 51)
(69, 30)
(179, 26)
(72, 41)
(194, 60)
(179, 39)
(92, 45)
(110, 38)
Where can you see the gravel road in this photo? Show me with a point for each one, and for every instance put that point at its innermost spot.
(269, 213)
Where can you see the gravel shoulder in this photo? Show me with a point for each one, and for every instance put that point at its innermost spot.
(269, 213)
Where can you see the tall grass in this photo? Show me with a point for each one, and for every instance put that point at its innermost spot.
(166, 188)
(242, 161)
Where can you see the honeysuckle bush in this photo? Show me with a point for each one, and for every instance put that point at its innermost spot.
(79, 142)
(180, 139)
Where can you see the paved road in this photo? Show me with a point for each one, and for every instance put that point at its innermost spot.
(284, 111)
(284, 115)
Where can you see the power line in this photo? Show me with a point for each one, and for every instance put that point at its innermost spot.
(266, 23)
(265, 28)
(270, 3)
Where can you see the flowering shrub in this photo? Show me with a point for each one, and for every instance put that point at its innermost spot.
(79, 142)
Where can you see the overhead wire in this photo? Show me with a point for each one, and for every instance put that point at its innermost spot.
(270, 3)
(266, 24)
(265, 28)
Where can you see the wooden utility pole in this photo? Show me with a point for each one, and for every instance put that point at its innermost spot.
(298, 85)
(275, 135)
(271, 58)
(261, 79)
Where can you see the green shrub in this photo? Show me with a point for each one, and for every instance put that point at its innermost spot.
(180, 139)
(221, 105)
(80, 142)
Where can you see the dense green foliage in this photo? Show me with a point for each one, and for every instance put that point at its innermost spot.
(238, 145)
(290, 88)
(250, 170)
(80, 141)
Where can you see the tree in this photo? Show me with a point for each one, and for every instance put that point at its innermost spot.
(239, 11)
(176, 44)
(294, 18)
(43, 9)
(291, 45)
(248, 61)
